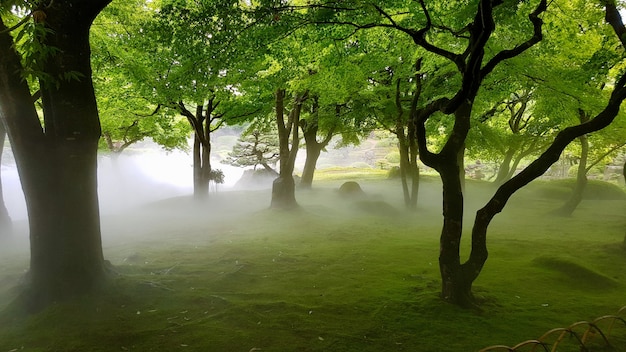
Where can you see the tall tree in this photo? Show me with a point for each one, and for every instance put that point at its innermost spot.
(56, 159)
(475, 50)
(283, 188)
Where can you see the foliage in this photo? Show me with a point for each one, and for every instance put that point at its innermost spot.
(126, 115)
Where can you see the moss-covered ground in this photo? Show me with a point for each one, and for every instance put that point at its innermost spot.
(232, 275)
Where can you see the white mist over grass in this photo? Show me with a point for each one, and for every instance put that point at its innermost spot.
(134, 179)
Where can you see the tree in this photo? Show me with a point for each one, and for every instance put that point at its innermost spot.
(339, 90)
(283, 188)
(255, 147)
(475, 51)
(56, 160)
(183, 57)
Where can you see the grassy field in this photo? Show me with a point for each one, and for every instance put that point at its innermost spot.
(337, 275)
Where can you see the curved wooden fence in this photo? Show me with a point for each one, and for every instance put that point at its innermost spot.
(606, 333)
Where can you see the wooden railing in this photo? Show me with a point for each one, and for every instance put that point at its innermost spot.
(606, 333)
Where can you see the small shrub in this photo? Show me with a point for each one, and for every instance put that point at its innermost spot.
(394, 172)
(393, 157)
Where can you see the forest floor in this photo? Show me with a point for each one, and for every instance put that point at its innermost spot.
(338, 274)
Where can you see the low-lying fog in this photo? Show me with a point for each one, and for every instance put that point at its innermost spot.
(148, 194)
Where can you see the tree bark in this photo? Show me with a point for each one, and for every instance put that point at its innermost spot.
(200, 123)
(455, 285)
(283, 188)
(313, 152)
(314, 148)
(58, 165)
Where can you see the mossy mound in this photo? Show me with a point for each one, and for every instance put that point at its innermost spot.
(351, 189)
(595, 190)
(376, 207)
(575, 274)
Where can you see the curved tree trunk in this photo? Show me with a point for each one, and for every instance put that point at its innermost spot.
(456, 285)
(57, 166)
(6, 224)
(310, 130)
(478, 255)
(313, 152)
(505, 167)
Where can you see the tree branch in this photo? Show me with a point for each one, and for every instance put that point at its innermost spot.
(519, 49)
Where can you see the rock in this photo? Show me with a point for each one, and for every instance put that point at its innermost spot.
(351, 189)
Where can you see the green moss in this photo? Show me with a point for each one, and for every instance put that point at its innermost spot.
(595, 190)
(326, 279)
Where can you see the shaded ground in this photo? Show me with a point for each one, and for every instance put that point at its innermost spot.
(232, 275)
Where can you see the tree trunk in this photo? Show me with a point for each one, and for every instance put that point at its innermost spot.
(310, 130)
(283, 188)
(201, 147)
(200, 182)
(407, 144)
(581, 175)
(313, 151)
(6, 224)
(403, 149)
(414, 170)
(455, 288)
(455, 284)
(505, 166)
(415, 176)
(58, 166)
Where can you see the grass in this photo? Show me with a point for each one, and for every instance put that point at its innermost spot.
(236, 276)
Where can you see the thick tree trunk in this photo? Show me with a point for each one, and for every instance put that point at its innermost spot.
(200, 182)
(313, 152)
(201, 147)
(456, 288)
(283, 188)
(310, 130)
(58, 167)
(66, 250)
(6, 224)
(455, 284)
